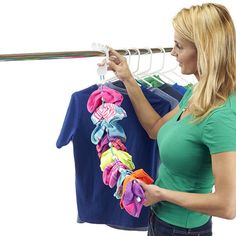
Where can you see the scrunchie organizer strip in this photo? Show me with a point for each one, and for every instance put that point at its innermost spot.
(115, 162)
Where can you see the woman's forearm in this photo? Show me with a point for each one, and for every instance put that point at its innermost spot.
(209, 204)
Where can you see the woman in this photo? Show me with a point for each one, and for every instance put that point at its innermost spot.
(197, 140)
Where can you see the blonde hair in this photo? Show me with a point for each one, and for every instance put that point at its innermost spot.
(210, 27)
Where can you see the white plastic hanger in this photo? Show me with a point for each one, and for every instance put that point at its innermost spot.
(160, 72)
(142, 74)
(114, 78)
(172, 70)
(150, 63)
(152, 73)
(135, 72)
(102, 70)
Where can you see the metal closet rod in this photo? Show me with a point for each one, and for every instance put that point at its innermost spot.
(71, 54)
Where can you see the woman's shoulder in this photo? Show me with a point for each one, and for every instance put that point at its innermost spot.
(229, 105)
(227, 111)
(231, 102)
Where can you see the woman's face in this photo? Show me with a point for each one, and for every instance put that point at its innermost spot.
(186, 55)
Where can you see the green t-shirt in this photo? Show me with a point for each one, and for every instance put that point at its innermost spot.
(185, 153)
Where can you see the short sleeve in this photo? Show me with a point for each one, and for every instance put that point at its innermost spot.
(219, 132)
(185, 98)
(70, 123)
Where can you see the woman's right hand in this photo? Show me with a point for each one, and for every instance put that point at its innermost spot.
(118, 64)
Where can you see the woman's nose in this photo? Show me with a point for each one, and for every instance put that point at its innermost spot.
(173, 53)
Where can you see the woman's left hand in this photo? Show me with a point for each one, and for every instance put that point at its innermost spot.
(153, 193)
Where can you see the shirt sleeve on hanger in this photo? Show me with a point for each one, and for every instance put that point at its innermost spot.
(70, 123)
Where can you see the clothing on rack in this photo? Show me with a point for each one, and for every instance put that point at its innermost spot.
(95, 201)
(173, 101)
(182, 90)
(176, 91)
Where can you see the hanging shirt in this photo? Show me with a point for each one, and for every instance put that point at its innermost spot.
(95, 200)
(185, 153)
(156, 82)
(172, 92)
(180, 89)
(174, 102)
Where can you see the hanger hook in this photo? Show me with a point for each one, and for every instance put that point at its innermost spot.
(163, 58)
(102, 70)
(137, 50)
(149, 50)
(129, 53)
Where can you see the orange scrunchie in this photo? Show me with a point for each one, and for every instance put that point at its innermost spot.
(138, 174)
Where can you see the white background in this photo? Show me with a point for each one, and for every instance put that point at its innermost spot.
(37, 194)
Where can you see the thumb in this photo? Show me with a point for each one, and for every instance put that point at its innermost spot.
(142, 184)
(112, 66)
(102, 63)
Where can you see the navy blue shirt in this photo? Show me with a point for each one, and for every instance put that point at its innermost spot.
(95, 200)
(171, 91)
(179, 88)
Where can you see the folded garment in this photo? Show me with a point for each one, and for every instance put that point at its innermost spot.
(133, 198)
(137, 174)
(113, 129)
(112, 173)
(132, 193)
(119, 184)
(106, 94)
(109, 112)
(118, 144)
(112, 154)
(103, 145)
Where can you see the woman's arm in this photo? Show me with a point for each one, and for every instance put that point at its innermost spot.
(221, 203)
(148, 117)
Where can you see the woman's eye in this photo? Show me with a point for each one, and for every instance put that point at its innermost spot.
(178, 46)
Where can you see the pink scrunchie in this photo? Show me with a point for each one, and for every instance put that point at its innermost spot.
(103, 145)
(111, 173)
(109, 95)
(133, 198)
